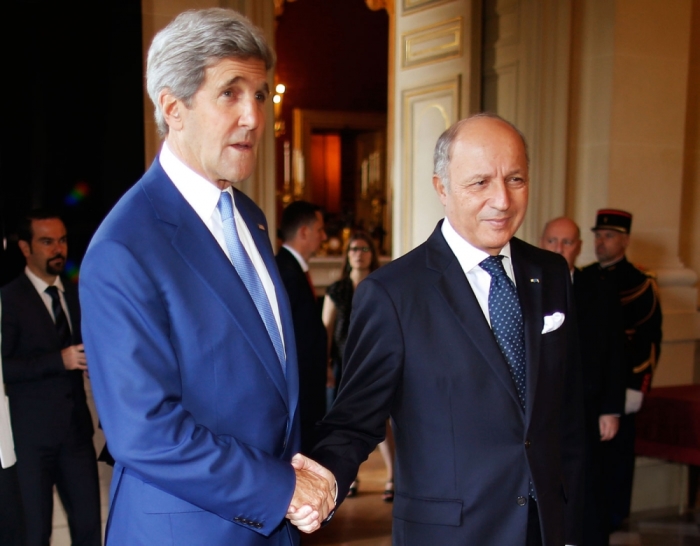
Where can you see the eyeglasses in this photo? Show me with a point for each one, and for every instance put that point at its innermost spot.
(358, 249)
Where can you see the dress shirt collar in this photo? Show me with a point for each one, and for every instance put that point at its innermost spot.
(302, 261)
(468, 255)
(202, 195)
(41, 285)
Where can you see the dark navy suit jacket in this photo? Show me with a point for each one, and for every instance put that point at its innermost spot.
(198, 413)
(420, 349)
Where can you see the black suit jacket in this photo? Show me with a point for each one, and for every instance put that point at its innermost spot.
(601, 335)
(45, 398)
(312, 345)
(420, 349)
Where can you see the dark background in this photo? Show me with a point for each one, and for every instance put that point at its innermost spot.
(72, 112)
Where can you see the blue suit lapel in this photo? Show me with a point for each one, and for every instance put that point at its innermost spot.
(455, 289)
(530, 295)
(195, 244)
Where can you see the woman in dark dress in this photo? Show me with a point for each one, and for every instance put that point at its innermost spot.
(360, 260)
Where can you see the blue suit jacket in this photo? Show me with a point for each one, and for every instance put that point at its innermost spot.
(420, 349)
(196, 408)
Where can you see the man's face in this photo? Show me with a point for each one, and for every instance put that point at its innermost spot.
(488, 189)
(316, 233)
(610, 245)
(46, 254)
(562, 236)
(218, 134)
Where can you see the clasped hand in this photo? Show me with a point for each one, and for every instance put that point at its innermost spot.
(314, 494)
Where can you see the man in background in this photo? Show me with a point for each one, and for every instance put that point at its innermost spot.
(302, 233)
(641, 316)
(188, 327)
(43, 366)
(601, 338)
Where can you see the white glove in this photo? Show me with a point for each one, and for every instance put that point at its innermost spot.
(633, 401)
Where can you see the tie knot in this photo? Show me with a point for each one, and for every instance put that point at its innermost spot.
(225, 206)
(52, 291)
(493, 265)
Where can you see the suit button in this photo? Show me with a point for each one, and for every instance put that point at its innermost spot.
(522, 501)
(527, 443)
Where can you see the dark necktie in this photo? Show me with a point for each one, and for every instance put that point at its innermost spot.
(311, 283)
(507, 321)
(246, 270)
(62, 327)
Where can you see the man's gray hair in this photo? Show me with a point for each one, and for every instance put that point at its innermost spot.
(443, 148)
(193, 41)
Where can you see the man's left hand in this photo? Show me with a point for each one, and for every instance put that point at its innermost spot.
(609, 425)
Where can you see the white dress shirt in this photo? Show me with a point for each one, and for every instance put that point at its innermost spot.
(203, 197)
(40, 285)
(7, 446)
(469, 258)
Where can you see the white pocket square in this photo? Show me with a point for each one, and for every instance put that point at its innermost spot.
(552, 322)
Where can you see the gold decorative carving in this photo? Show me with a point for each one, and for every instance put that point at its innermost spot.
(437, 42)
(376, 5)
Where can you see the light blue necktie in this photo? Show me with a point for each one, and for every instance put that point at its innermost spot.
(244, 266)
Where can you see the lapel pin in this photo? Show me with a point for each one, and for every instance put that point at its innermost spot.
(261, 227)
(535, 280)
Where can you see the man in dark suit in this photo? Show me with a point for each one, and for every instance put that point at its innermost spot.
(43, 366)
(469, 344)
(187, 325)
(302, 233)
(601, 337)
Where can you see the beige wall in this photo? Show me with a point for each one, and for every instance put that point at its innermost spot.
(690, 197)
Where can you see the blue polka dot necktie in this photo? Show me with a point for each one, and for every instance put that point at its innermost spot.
(507, 321)
(246, 270)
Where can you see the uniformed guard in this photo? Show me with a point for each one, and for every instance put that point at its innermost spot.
(642, 322)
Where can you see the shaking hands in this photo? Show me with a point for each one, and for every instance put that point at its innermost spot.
(314, 494)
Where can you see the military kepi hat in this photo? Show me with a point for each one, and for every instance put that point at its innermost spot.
(618, 220)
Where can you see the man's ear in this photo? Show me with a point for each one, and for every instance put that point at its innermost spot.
(171, 108)
(25, 248)
(440, 189)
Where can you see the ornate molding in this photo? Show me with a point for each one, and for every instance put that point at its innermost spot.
(376, 5)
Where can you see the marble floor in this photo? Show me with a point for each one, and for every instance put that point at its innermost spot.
(366, 520)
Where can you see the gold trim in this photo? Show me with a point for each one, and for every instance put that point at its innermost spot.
(432, 37)
(412, 6)
(449, 88)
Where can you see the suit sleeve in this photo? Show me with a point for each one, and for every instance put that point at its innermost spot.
(371, 374)
(572, 426)
(142, 403)
(16, 333)
(613, 372)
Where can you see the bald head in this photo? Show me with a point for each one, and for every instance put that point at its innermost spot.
(562, 236)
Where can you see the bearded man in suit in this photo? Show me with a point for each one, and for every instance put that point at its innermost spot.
(469, 344)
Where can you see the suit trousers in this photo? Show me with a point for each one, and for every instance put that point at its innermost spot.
(534, 533)
(70, 465)
(11, 513)
(619, 470)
